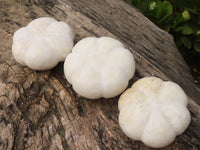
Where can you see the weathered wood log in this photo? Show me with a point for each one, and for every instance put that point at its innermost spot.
(40, 110)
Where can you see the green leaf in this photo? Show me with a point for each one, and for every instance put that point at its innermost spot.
(164, 10)
(186, 41)
(196, 46)
(159, 11)
(182, 23)
(152, 5)
(188, 29)
(186, 15)
(152, 10)
(178, 19)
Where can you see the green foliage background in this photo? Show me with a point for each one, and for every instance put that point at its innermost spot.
(181, 18)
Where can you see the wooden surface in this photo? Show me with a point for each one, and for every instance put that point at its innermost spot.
(40, 111)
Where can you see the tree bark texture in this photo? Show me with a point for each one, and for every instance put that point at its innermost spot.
(39, 109)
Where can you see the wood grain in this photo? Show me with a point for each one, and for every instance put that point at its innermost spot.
(39, 110)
